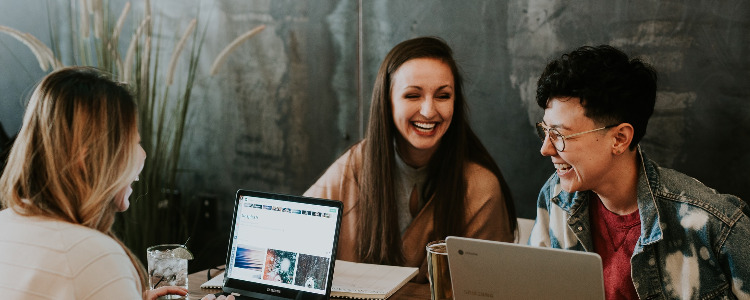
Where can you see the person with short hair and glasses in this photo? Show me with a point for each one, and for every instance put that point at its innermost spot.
(661, 234)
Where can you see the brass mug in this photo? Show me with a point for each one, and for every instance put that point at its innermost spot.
(438, 272)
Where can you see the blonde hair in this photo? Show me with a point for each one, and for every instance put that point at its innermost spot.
(75, 152)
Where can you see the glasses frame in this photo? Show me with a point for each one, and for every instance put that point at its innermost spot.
(541, 127)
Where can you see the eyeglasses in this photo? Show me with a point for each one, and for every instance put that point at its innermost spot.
(557, 139)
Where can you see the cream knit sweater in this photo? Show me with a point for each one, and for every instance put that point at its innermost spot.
(42, 258)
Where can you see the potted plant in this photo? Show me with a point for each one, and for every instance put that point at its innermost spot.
(158, 213)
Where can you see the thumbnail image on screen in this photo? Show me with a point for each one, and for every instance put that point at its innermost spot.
(280, 266)
(312, 271)
(251, 259)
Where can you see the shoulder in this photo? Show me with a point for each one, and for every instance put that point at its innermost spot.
(353, 156)
(673, 182)
(351, 159)
(79, 245)
(339, 180)
(69, 258)
(680, 189)
(51, 234)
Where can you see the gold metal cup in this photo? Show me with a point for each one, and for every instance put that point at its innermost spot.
(438, 272)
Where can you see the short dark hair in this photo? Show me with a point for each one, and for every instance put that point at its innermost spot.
(612, 88)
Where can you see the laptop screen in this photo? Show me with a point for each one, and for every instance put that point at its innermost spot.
(482, 269)
(282, 245)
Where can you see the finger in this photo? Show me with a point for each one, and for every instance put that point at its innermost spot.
(221, 297)
(209, 297)
(171, 290)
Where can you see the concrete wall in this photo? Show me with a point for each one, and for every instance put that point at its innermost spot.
(293, 98)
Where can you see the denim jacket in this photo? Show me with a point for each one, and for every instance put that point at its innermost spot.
(694, 242)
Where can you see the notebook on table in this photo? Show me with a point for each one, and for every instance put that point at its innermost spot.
(281, 246)
(483, 269)
(368, 281)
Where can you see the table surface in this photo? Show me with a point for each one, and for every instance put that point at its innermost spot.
(409, 291)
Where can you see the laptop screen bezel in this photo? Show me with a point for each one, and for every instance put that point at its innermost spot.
(255, 288)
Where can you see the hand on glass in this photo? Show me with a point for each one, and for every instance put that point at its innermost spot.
(164, 290)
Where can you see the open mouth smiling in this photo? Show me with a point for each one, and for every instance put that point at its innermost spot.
(424, 127)
(563, 168)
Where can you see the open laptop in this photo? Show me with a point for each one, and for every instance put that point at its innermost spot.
(483, 269)
(281, 246)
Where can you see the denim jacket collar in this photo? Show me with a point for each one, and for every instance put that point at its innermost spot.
(648, 182)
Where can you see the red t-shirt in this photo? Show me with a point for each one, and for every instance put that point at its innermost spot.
(614, 238)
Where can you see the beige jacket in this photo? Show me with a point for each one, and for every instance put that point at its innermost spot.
(485, 214)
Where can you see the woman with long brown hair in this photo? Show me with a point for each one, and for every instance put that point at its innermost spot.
(68, 173)
(421, 173)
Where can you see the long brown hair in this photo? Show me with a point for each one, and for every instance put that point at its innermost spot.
(379, 239)
(75, 152)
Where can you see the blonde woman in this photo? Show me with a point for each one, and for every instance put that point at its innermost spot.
(68, 173)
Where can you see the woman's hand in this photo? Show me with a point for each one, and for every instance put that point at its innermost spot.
(165, 290)
(222, 297)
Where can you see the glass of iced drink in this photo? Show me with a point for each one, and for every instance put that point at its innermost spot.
(168, 266)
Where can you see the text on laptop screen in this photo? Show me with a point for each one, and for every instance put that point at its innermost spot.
(282, 243)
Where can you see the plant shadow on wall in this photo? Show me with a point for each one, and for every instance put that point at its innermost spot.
(157, 213)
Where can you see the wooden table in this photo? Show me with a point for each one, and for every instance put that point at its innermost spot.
(409, 291)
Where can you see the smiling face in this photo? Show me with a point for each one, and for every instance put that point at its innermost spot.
(422, 97)
(586, 162)
(122, 201)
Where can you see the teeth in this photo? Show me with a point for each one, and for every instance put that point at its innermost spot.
(562, 166)
(424, 126)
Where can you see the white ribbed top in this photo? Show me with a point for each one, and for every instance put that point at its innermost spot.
(41, 258)
(406, 179)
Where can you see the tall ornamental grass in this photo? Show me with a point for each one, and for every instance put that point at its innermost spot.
(158, 213)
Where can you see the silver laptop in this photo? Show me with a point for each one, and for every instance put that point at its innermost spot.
(281, 246)
(484, 270)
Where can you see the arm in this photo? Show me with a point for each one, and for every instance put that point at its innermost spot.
(736, 257)
(106, 272)
(486, 216)
(339, 182)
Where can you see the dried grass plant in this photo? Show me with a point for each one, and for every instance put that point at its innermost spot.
(157, 214)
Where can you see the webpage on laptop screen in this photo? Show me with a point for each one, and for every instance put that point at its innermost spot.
(285, 244)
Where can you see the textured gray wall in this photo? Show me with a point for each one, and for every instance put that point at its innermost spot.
(294, 97)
